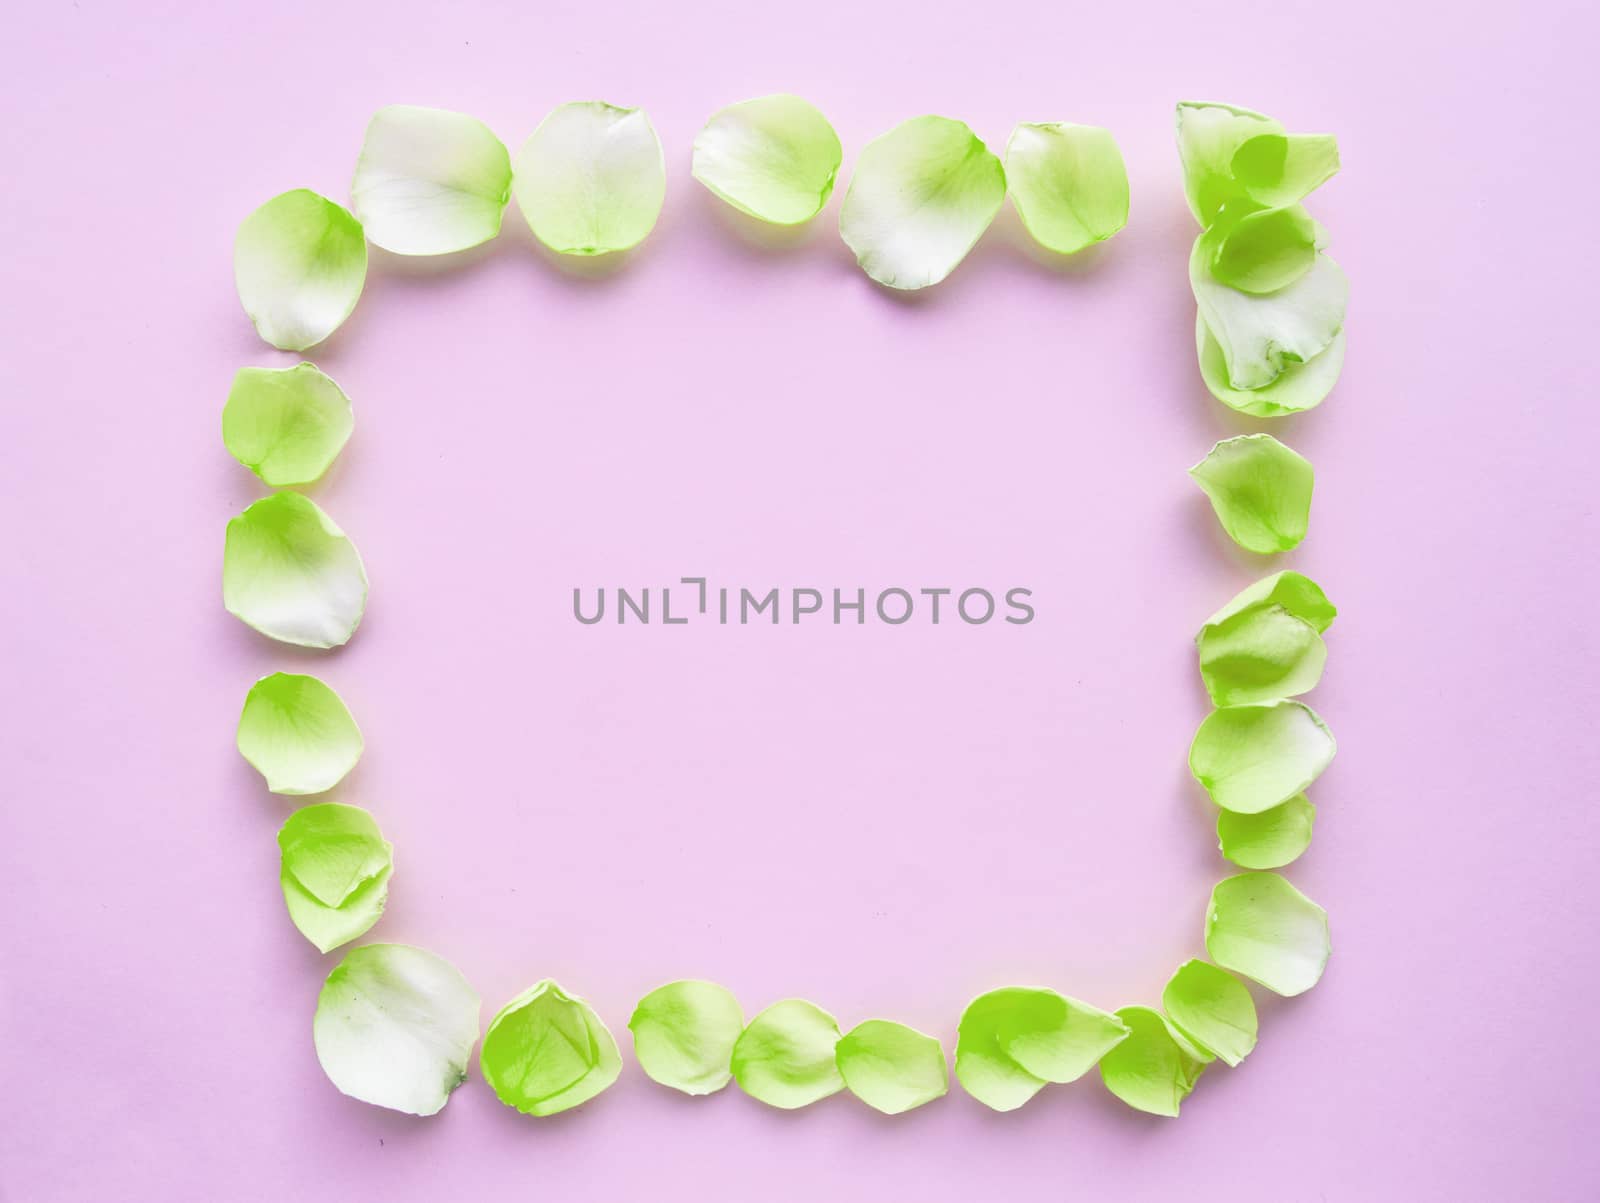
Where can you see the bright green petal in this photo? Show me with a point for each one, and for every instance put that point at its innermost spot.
(1013, 1040)
(920, 198)
(892, 1067)
(1298, 594)
(1261, 926)
(1282, 169)
(1268, 840)
(785, 1057)
(1155, 1068)
(298, 734)
(1260, 489)
(1252, 758)
(291, 573)
(1209, 135)
(285, 424)
(984, 1069)
(1213, 1009)
(335, 872)
(1259, 655)
(1300, 386)
(684, 1033)
(395, 1027)
(429, 181)
(1266, 250)
(591, 179)
(1068, 182)
(774, 157)
(299, 263)
(547, 1051)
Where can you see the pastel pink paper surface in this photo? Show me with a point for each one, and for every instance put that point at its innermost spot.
(884, 820)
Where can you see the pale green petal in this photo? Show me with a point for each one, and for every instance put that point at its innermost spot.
(547, 1051)
(335, 872)
(1213, 1009)
(1155, 1068)
(984, 1069)
(1299, 595)
(286, 425)
(1281, 169)
(1068, 182)
(785, 1057)
(892, 1067)
(429, 181)
(1261, 336)
(774, 157)
(395, 1027)
(1261, 926)
(1260, 654)
(684, 1033)
(1268, 840)
(1013, 1040)
(298, 734)
(591, 179)
(1252, 758)
(291, 573)
(1299, 387)
(1260, 489)
(1266, 250)
(920, 198)
(1209, 135)
(299, 262)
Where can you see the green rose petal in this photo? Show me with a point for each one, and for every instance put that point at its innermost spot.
(299, 262)
(1270, 839)
(1068, 182)
(547, 1051)
(920, 198)
(1260, 489)
(1276, 169)
(430, 182)
(335, 869)
(774, 157)
(1014, 1040)
(1266, 250)
(1252, 758)
(984, 1069)
(1259, 655)
(298, 734)
(785, 1057)
(1209, 137)
(591, 179)
(1155, 1068)
(1213, 1010)
(1299, 387)
(292, 574)
(395, 1027)
(684, 1033)
(1261, 926)
(891, 1067)
(286, 425)
(1298, 594)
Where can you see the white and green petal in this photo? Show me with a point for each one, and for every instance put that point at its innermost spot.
(299, 262)
(1277, 169)
(1265, 250)
(429, 181)
(547, 1051)
(774, 157)
(1268, 840)
(1213, 1009)
(920, 198)
(891, 1067)
(1068, 182)
(1294, 592)
(1260, 490)
(684, 1033)
(334, 869)
(287, 425)
(298, 734)
(1209, 137)
(395, 1027)
(1252, 758)
(786, 1057)
(292, 574)
(1299, 387)
(1014, 1040)
(1155, 1068)
(1261, 926)
(591, 179)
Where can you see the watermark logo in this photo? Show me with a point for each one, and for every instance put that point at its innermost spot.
(694, 599)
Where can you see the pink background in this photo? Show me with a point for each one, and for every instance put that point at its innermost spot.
(885, 820)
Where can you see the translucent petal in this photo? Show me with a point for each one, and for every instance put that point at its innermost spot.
(1277, 169)
(1265, 250)
(1259, 655)
(785, 1057)
(292, 574)
(892, 1067)
(1209, 135)
(920, 198)
(1261, 926)
(1213, 1009)
(1299, 387)
(1155, 1068)
(1270, 839)
(684, 1033)
(1013, 1040)
(1068, 182)
(298, 734)
(395, 1027)
(984, 1069)
(1260, 489)
(1298, 594)
(287, 425)
(430, 182)
(335, 872)
(774, 157)
(1252, 758)
(547, 1051)
(299, 262)
(591, 179)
